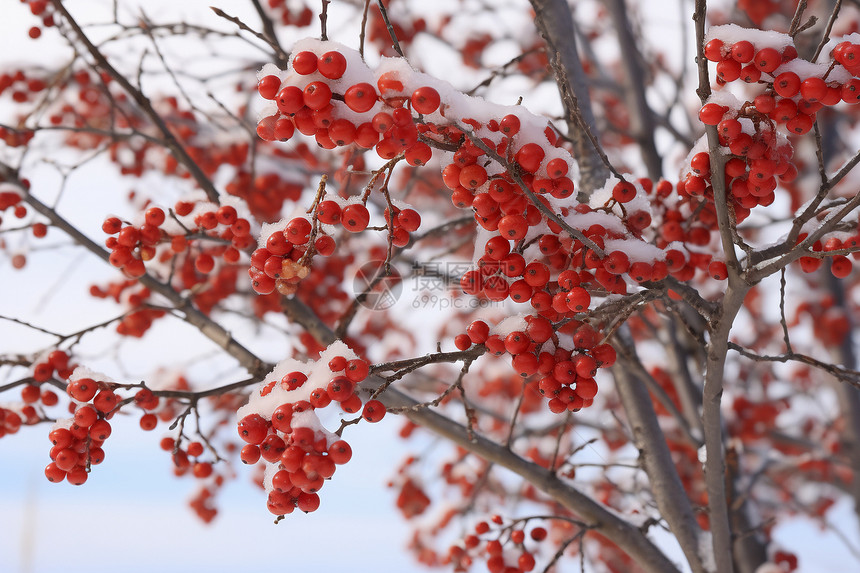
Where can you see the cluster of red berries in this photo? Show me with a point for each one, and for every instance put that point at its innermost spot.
(840, 265)
(299, 16)
(135, 244)
(495, 196)
(56, 361)
(515, 558)
(285, 260)
(290, 437)
(761, 154)
(313, 108)
(264, 193)
(43, 9)
(139, 319)
(567, 375)
(396, 120)
(405, 221)
(785, 559)
(12, 200)
(189, 459)
(10, 421)
(32, 395)
(830, 324)
(23, 88)
(411, 498)
(794, 91)
(77, 444)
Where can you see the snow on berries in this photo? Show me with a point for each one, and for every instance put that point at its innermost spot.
(783, 93)
(280, 424)
(503, 163)
(537, 243)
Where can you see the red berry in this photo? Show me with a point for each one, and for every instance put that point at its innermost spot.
(337, 364)
(373, 411)
(556, 168)
(253, 428)
(284, 129)
(297, 231)
(77, 476)
(712, 113)
(714, 50)
(623, 191)
(767, 60)
(764, 103)
(305, 63)
(510, 125)
(86, 416)
(578, 299)
(360, 97)
(148, 422)
(332, 65)
(340, 452)
(473, 176)
(729, 70)
(355, 217)
(841, 266)
(425, 100)
(290, 100)
(340, 388)
(357, 370)
(462, 342)
(516, 342)
(154, 216)
(730, 128)
(419, 154)
(308, 502)
(750, 74)
(409, 219)
(268, 86)
(743, 51)
(718, 270)
(786, 84)
(604, 354)
(82, 389)
(328, 212)
(530, 157)
(325, 245)
(204, 263)
(800, 124)
(813, 89)
(317, 95)
(54, 473)
(513, 227)
(250, 454)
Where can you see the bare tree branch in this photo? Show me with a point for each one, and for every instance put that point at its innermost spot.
(641, 114)
(137, 95)
(672, 500)
(555, 23)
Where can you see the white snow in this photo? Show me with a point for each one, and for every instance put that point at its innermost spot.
(732, 33)
(318, 375)
(510, 324)
(769, 568)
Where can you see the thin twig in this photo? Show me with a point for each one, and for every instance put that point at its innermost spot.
(394, 42)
